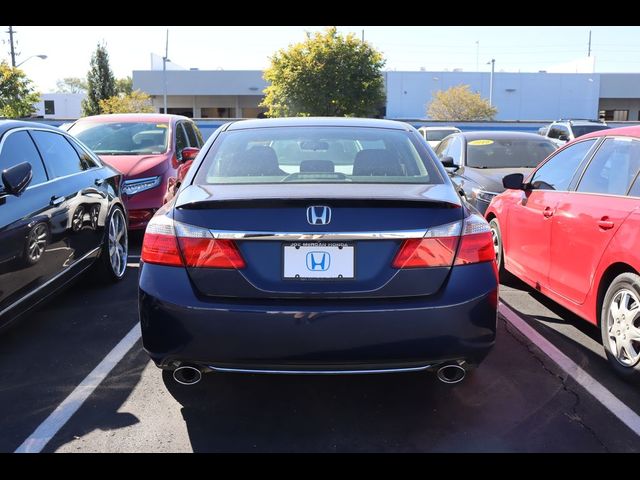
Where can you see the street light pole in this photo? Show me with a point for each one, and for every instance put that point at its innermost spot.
(164, 70)
(11, 31)
(43, 57)
(493, 64)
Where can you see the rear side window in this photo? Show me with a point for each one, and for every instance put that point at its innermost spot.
(191, 135)
(181, 139)
(557, 172)
(18, 148)
(59, 156)
(613, 167)
(316, 155)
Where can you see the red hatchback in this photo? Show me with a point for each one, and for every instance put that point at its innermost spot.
(572, 231)
(147, 148)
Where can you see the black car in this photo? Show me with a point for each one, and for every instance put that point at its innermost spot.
(60, 213)
(317, 246)
(477, 161)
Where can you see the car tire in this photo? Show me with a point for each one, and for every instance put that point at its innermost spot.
(496, 234)
(111, 266)
(619, 325)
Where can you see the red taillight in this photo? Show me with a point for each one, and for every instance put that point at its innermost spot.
(438, 247)
(203, 252)
(161, 249)
(476, 248)
(173, 243)
(426, 252)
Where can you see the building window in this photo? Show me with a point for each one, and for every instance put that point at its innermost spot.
(49, 107)
(217, 112)
(615, 115)
(186, 112)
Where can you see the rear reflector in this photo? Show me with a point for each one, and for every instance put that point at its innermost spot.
(471, 238)
(176, 244)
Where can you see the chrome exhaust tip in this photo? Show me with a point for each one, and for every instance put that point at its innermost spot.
(451, 373)
(187, 375)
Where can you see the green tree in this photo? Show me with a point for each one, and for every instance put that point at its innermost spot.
(17, 95)
(124, 85)
(460, 104)
(71, 85)
(101, 83)
(135, 102)
(326, 75)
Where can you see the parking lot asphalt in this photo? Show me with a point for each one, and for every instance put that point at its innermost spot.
(517, 401)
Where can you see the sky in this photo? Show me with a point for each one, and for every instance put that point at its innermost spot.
(412, 48)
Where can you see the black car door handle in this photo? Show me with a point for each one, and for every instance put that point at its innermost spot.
(56, 200)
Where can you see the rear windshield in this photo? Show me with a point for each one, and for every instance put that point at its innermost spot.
(579, 130)
(316, 155)
(505, 153)
(437, 135)
(123, 138)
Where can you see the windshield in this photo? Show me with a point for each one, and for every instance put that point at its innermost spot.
(317, 154)
(579, 130)
(437, 135)
(505, 153)
(123, 138)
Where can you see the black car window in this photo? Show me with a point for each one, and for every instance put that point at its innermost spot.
(613, 167)
(199, 135)
(191, 135)
(514, 152)
(442, 147)
(87, 160)
(59, 156)
(455, 150)
(18, 148)
(181, 139)
(557, 172)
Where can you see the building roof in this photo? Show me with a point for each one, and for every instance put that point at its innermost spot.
(319, 122)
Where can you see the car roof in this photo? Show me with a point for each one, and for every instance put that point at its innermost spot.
(11, 124)
(443, 127)
(631, 131)
(580, 122)
(319, 122)
(133, 117)
(500, 135)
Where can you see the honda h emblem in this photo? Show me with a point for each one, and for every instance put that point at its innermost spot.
(318, 261)
(318, 215)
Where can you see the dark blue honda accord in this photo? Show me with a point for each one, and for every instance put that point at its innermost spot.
(317, 245)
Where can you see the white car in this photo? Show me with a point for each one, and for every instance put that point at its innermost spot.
(433, 135)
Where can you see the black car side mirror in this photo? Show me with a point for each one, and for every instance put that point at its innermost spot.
(17, 178)
(448, 162)
(513, 181)
(563, 138)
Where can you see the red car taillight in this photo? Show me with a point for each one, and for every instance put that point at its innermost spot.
(176, 244)
(471, 238)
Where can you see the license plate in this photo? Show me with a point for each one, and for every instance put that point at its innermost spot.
(319, 260)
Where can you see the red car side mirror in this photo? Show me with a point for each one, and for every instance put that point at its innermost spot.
(189, 153)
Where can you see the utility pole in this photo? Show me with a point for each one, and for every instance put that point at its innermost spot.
(493, 64)
(363, 34)
(11, 31)
(588, 52)
(164, 70)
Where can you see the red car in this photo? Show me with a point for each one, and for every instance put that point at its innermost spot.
(572, 231)
(148, 148)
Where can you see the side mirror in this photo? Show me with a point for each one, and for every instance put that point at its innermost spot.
(448, 162)
(17, 178)
(189, 153)
(563, 138)
(514, 181)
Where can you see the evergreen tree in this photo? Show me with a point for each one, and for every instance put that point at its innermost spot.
(101, 83)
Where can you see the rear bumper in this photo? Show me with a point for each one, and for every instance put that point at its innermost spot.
(459, 323)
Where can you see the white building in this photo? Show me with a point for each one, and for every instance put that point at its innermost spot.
(60, 106)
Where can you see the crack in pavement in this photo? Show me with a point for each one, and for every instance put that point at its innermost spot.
(574, 415)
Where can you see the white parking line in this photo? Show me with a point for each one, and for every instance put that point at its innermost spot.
(61, 415)
(590, 384)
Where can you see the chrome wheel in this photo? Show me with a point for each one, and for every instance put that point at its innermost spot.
(117, 243)
(78, 219)
(623, 333)
(37, 242)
